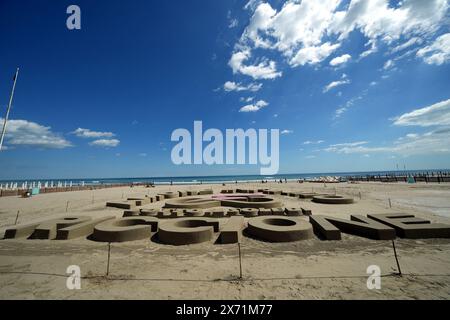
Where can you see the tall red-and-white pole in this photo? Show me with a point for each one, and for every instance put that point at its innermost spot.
(9, 108)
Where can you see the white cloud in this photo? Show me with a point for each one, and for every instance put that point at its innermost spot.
(407, 44)
(373, 49)
(310, 157)
(313, 55)
(142, 154)
(233, 86)
(350, 103)
(438, 52)
(377, 19)
(313, 142)
(233, 23)
(340, 147)
(308, 31)
(388, 64)
(86, 133)
(254, 107)
(263, 70)
(436, 114)
(436, 142)
(286, 131)
(248, 99)
(31, 134)
(252, 4)
(106, 143)
(340, 60)
(334, 84)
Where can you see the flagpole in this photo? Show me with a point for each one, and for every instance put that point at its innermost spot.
(9, 108)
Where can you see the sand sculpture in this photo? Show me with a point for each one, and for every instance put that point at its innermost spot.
(408, 226)
(232, 231)
(235, 200)
(269, 228)
(331, 199)
(330, 228)
(280, 229)
(188, 218)
(125, 229)
(187, 230)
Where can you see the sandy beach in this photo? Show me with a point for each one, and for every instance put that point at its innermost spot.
(309, 269)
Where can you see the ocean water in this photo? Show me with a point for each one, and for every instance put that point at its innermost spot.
(214, 179)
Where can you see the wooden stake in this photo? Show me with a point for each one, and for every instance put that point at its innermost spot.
(109, 256)
(396, 259)
(17, 216)
(240, 261)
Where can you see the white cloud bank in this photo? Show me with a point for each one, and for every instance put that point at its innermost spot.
(438, 52)
(310, 31)
(437, 114)
(433, 142)
(32, 134)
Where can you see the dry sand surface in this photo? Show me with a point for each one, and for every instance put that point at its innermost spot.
(311, 269)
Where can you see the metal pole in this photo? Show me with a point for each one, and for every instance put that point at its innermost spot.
(9, 108)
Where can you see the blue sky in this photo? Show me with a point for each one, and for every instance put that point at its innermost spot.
(352, 85)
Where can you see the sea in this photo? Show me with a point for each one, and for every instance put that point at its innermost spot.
(216, 179)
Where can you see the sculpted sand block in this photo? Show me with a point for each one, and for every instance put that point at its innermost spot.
(280, 229)
(21, 231)
(264, 212)
(139, 201)
(408, 226)
(330, 227)
(193, 212)
(232, 231)
(249, 212)
(125, 229)
(330, 199)
(80, 229)
(277, 211)
(47, 229)
(187, 230)
(121, 205)
(192, 203)
(293, 211)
